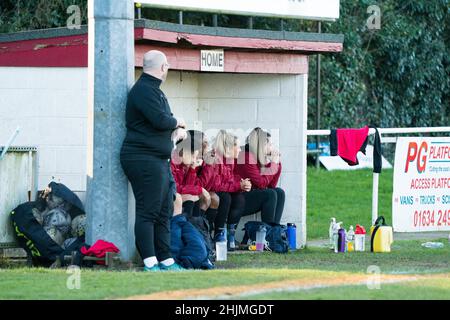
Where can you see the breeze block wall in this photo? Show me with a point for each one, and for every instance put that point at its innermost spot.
(277, 103)
(50, 106)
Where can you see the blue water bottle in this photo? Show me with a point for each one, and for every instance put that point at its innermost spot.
(292, 235)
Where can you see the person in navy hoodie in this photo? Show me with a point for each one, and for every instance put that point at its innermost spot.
(260, 163)
(218, 175)
(187, 245)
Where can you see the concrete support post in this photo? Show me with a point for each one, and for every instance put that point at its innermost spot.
(302, 103)
(111, 75)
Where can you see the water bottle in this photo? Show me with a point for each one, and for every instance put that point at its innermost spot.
(331, 232)
(351, 240)
(292, 235)
(360, 238)
(433, 245)
(341, 240)
(261, 238)
(336, 228)
(231, 231)
(221, 247)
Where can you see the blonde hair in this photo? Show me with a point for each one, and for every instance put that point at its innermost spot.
(257, 141)
(224, 143)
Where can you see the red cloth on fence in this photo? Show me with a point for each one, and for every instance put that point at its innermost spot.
(348, 142)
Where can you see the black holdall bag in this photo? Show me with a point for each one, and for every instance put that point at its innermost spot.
(276, 235)
(32, 236)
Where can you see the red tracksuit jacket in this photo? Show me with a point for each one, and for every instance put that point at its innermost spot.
(220, 176)
(248, 167)
(185, 178)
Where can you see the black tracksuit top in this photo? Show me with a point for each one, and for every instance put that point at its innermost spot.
(149, 121)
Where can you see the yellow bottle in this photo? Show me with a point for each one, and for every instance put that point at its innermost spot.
(383, 238)
(350, 247)
(350, 240)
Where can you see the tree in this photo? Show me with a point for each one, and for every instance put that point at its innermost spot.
(20, 15)
(398, 76)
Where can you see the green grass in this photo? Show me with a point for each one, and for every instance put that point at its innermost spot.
(345, 195)
(433, 289)
(408, 257)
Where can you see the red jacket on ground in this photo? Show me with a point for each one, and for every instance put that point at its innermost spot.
(220, 176)
(99, 250)
(185, 178)
(261, 177)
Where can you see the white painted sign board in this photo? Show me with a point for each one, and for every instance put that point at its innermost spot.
(297, 9)
(421, 195)
(212, 60)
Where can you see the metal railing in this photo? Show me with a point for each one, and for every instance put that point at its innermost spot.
(383, 131)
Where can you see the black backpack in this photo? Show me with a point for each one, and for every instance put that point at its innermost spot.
(276, 235)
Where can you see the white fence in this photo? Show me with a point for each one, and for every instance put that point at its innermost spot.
(384, 131)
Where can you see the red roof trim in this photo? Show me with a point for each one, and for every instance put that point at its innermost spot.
(241, 43)
(235, 62)
(72, 51)
(68, 51)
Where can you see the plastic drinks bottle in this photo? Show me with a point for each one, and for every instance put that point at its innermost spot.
(351, 240)
(336, 228)
(341, 240)
(260, 238)
(292, 235)
(231, 230)
(221, 247)
(331, 232)
(360, 238)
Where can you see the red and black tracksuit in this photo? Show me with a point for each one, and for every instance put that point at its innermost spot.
(185, 178)
(346, 143)
(220, 177)
(265, 196)
(187, 183)
(223, 176)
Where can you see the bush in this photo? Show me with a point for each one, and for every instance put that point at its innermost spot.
(397, 76)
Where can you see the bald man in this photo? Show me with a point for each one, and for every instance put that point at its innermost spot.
(145, 156)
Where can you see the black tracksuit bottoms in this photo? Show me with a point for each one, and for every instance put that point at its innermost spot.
(269, 201)
(153, 187)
